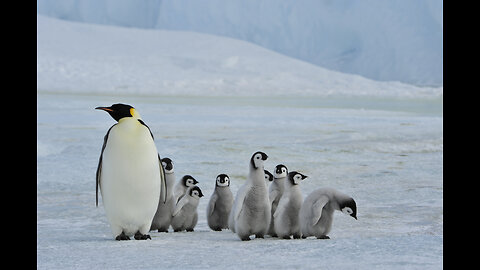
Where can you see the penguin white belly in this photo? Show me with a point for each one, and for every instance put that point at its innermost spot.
(130, 182)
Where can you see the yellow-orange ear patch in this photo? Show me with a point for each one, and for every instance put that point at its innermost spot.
(132, 111)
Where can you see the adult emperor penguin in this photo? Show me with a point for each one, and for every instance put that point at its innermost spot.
(163, 216)
(275, 191)
(185, 216)
(287, 214)
(251, 210)
(181, 187)
(316, 213)
(220, 204)
(129, 174)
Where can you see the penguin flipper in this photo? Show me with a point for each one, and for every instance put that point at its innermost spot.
(211, 204)
(273, 195)
(98, 174)
(180, 205)
(242, 194)
(281, 207)
(163, 182)
(317, 209)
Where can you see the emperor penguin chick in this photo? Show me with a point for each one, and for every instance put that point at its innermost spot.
(220, 204)
(251, 210)
(275, 191)
(268, 177)
(129, 174)
(181, 187)
(287, 214)
(316, 213)
(185, 216)
(163, 216)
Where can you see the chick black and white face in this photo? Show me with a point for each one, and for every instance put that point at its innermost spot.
(119, 111)
(268, 176)
(189, 181)
(167, 165)
(295, 177)
(257, 160)
(196, 192)
(223, 180)
(280, 171)
(349, 207)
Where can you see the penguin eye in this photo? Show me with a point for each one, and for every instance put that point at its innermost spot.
(195, 193)
(226, 180)
(347, 210)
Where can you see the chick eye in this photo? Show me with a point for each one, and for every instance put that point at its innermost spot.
(195, 193)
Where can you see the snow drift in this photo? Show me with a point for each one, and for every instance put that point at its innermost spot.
(98, 59)
(395, 40)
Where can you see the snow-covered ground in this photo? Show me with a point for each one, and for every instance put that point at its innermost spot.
(381, 143)
(394, 40)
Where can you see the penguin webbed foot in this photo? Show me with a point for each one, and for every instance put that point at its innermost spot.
(259, 236)
(189, 230)
(122, 236)
(323, 237)
(140, 236)
(297, 236)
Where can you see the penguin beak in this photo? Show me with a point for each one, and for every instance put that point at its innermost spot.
(355, 217)
(304, 176)
(264, 156)
(107, 109)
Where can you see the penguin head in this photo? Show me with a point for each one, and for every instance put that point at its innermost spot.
(268, 176)
(257, 160)
(222, 180)
(189, 181)
(119, 111)
(280, 171)
(167, 165)
(349, 207)
(295, 177)
(195, 192)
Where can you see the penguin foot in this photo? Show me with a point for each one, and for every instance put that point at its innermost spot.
(297, 236)
(177, 230)
(165, 231)
(139, 236)
(217, 229)
(246, 238)
(189, 230)
(122, 236)
(323, 237)
(286, 237)
(304, 237)
(259, 236)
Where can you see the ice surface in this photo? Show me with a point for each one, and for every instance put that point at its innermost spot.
(395, 40)
(389, 161)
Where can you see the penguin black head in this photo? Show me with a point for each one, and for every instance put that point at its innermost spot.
(295, 177)
(167, 165)
(189, 181)
(257, 159)
(119, 111)
(222, 180)
(268, 176)
(280, 171)
(196, 192)
(349, 207)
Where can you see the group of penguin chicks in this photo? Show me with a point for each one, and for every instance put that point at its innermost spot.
(136, 184)
(267, 204)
